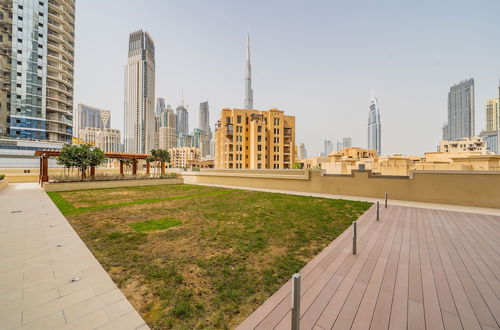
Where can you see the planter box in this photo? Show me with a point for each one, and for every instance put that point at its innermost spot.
(67, 186)
(3, 183)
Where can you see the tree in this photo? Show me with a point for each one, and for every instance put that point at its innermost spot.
(80, 156)
(297, 165)
(158, 156)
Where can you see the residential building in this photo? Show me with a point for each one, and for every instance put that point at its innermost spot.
(140, 94)
(36, 69)
(474, 144)
(87, 116)
(492, 114)
(168, 129)
(248, 79)
(461, 111)
(374, 126)
(106, 139)
(160, 106)
(185, 140)
(327, 147)
(254, 139)
(204, 120)
(181, 156)
(346, 142)
(491, 140)
(182, 120)
(201, 140)
(302, 151)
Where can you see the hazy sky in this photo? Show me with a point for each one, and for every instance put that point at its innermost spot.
(316, 60)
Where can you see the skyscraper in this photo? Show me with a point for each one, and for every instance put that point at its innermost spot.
(248, 79)
(168, 129)
(140, 94)
(374, 126)
(87, 116)
(346, 142)
(204, 123)
(36, 69)
(182, 120)
(327, 147)
(461, 111)
(160, 106)
(302, 153)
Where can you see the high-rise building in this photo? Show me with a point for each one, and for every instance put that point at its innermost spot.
(185, 140)
(182, 120)
(204, 121)
(106, 139)
(160, 106)
(248, 79)
(327, 147)
(374, 126)
(140, 94)
(491, 118)
(201, 140)
(254, 139)
(461, 111)
(491, 133)
(168, 129)
(346, 142)
(302, 151)
(87, 116)
(36, 69)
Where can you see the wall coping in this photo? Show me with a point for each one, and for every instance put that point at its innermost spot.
(304, 176)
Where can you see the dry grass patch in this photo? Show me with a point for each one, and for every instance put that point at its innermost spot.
(230, 252)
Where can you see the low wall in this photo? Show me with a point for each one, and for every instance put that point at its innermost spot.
(481, 189)
(67, 186)
(3, 183)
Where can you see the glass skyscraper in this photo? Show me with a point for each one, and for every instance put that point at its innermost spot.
(461, 111)
(36, 90)
(374, 126)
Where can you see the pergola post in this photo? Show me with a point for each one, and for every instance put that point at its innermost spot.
(121, 167)
(134, 166)
(40, 171)
(162, 167)
(45, 169)
(148, 167)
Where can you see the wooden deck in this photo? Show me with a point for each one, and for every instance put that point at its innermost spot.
(416, 268)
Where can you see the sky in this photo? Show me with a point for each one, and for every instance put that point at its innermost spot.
(316, 60)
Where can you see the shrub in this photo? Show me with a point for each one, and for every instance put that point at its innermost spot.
(2, 176)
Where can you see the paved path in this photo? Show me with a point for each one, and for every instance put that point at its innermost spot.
(40, 254)
(416, 268)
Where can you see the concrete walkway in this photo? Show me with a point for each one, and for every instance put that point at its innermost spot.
(434, 206)
(40, 255)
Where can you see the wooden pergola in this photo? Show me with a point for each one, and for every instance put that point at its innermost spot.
(46, 154)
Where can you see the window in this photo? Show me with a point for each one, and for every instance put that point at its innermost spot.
(20, 7)
(19, 51)
(238, 119)
(259, 138)
(19, 18)
(259, 129)
(259, 147)
(20, 29)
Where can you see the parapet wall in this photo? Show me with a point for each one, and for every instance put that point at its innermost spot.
(481, 189)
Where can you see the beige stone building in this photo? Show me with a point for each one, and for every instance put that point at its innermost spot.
(106, 139)
(252, 139)
(183, 157)
(473, 144)
(492, 114)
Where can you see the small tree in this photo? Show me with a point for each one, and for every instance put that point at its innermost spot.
(297, 165)
(158, 156)
(80, 156)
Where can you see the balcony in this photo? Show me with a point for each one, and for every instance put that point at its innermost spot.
(229, 130)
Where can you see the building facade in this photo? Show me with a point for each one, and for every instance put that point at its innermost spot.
(302, 154)
(185, 140)
(346, 142)
(248, 104)
(181, 157)
(168, 129)
(87, 116)
(327, 147)
(204, 118)
(139, 128)
(461, 111)
(106, 139)
(474, 144)
(182, 120)
(374, 126)
(160, 106)
(252, 139)
(36, 69)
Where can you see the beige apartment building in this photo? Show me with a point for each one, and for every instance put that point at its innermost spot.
(106, 139)
(492, 114)
(183, 157)
(252, 139)
(473, 144)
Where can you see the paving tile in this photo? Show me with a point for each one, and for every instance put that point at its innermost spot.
(130, 320)
(90, 321)
(96, 302)
(118, 309)
(51, 321)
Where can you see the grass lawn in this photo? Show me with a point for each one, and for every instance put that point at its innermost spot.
(202, 257)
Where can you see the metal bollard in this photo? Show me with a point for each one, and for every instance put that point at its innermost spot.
(378, 210)
(296, 301)
(385, 200)
(354, 237)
